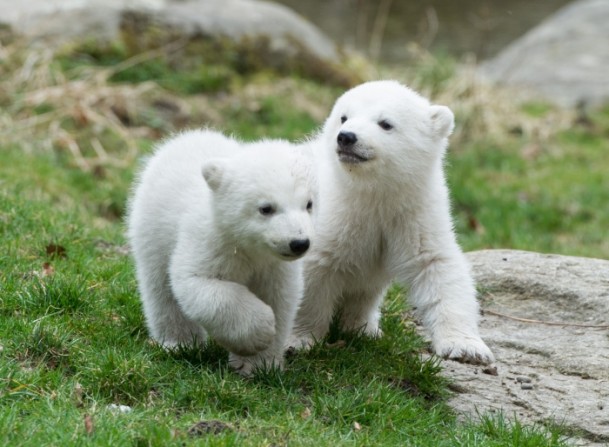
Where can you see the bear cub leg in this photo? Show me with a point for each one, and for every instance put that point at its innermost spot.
(233, 316)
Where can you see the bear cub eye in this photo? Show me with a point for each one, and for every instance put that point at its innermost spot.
(309, 205)
(267, 210)
(385, 125)
(343, 119)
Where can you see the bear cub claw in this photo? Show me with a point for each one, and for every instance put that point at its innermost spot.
(466, 350)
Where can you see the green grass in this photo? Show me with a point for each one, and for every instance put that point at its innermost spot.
(554, 202)
(74, 341)
(72, 334)
(273, 119)
(180, 75)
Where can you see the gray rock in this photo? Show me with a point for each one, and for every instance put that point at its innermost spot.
(546, 318)
(239, 19)
(56, 21)
(257, 35)
(564, 59)
(260, 32)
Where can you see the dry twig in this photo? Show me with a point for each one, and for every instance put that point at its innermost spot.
(547, 323)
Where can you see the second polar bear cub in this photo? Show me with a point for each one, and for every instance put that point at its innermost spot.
(384, 216)
(216, 227)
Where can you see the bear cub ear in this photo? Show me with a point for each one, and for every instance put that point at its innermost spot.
(442, 121)
(213, 171)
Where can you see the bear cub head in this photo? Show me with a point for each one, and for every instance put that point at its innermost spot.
(263, 199)
(386, 124)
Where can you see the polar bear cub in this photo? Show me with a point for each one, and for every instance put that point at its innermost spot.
(384, 216)
(216, 228)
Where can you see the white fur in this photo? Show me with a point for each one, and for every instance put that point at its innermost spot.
(207, 260)
(388, 219)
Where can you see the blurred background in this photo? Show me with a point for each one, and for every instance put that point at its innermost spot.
(381, 29)
(88, 87)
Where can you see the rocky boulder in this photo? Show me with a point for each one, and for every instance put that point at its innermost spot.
(252, 34)
(49, 22)
(565, 58)
(546, 318)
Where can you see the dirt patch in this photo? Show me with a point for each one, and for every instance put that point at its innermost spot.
(203, 428)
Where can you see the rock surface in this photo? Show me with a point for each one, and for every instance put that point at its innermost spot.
(553, 367)
(279, 37)
(50, 21)
(565, 58)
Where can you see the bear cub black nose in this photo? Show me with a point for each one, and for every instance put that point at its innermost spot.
(299, 246)
(346, 139)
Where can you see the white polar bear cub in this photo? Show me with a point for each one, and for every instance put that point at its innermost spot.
(212, 224)
(384, 216)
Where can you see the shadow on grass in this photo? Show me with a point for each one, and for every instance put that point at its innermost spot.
(342, 359)
(210, 356)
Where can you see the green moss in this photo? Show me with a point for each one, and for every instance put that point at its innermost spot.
(246, 56)
(536, 109)
(184, 77)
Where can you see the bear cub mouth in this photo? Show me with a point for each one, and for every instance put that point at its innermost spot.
(346, 149)
(350, 156)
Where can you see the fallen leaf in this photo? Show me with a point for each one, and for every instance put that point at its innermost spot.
(357, 426)
(80, 116)
(99, 172)
(475, 225)
(47, 269)
(306, 413)
(88, 424)
(56, 250)
(122, 113)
